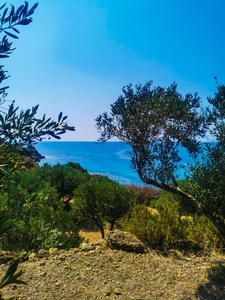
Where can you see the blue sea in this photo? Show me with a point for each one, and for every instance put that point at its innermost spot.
(111, 159)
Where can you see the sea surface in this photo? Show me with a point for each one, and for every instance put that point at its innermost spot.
(111, 159)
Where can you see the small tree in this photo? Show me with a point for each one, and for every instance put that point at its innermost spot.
(103, 200)
(156, 122)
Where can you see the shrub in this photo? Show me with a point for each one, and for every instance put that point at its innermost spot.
(155, 230)
(39, 224)
(164, 227)
(102, 200)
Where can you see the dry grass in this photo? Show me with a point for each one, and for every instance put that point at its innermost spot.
(90, 231)
(90, 236)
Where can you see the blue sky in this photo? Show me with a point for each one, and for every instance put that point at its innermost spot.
(78, 54)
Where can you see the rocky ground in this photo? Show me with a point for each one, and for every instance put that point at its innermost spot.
(104, 270)
(98, 272)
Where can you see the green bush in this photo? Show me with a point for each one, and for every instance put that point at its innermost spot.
(164, 227)
(204, 232)
(155, 230)
(64, 178)
(102, 200)
(40, 222)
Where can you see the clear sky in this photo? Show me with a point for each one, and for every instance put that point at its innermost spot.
(78, 54)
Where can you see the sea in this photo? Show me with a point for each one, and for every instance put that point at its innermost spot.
(110, 159)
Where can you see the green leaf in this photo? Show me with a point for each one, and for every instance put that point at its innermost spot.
(25, 8)
(16, 30)
(34, 6)
(11, 35)
(9, 273)
(2, 6)
(19, 9)
(1, 119)
(3, 15)
(59, 117)
(12, 13)
(25, 22)
(64, 118)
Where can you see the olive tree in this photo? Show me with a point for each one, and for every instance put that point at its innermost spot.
(155, 122)
(102, 200)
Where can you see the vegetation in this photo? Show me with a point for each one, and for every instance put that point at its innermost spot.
(162, 225)
(39, 205)
(156, 122)
(47, 204)
(103, 200)
(18, 129)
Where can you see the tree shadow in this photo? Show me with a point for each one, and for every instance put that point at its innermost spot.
(88, 226)
(214, 289)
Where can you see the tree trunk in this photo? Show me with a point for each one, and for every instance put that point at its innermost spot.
(100, 225)
(112, 224)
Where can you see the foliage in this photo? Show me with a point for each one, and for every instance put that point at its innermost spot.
(11, 276)
(208, 175)
(22, 128)
(9, 19)
(65, 178)
(102, 200)
(40, 221)
(25, 128)
(8, 159)
(163, 226)
(18, 129)
(42, 218)
(155, 229)
(156, 122)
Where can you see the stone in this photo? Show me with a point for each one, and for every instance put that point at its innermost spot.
(52, 251)
(86, 247)
(32, 256)
(23, 256)
(102, 244)
(121, 240)
(42, 253)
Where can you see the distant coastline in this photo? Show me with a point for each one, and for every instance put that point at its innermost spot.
(110, 159)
